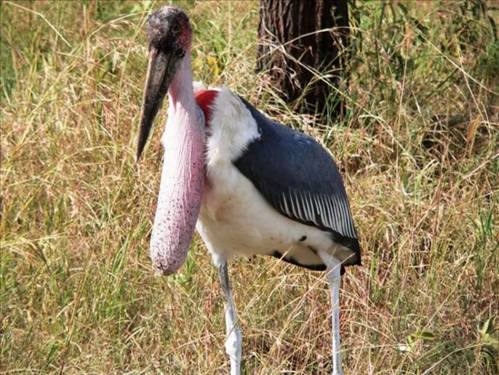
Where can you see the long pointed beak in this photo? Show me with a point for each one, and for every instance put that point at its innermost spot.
(157, 82)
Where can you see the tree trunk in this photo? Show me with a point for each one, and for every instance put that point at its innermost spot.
(292, 47)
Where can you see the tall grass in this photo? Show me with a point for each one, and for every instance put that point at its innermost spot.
(419, 151)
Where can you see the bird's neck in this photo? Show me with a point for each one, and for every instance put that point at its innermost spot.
(180, 92)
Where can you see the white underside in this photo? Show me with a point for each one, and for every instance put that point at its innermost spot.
(235, 219)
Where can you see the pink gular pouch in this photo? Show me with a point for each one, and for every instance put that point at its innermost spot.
(180, 192)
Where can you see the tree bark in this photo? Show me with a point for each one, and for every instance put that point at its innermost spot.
(293, 44)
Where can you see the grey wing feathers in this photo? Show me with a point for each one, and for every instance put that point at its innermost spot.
(320, 210)
(332, 213)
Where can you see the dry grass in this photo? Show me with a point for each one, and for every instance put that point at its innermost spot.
(418, 148)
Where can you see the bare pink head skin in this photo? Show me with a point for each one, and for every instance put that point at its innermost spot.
(182, 179)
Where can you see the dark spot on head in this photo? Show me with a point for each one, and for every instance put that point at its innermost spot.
(303, 238)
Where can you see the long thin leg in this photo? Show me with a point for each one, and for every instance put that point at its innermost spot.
(234, 337)
(334, 281)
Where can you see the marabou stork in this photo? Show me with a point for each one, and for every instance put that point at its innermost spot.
(249, 185)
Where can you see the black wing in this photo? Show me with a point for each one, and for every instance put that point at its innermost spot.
(299, 178)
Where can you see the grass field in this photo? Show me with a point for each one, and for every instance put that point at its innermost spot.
(418, 149)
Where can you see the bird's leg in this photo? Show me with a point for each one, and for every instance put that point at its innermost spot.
(234, 338)
(334, 280)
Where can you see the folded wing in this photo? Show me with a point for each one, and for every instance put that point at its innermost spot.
(299, 178)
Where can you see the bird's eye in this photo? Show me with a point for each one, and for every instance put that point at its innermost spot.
(180, 52)
(175, 29)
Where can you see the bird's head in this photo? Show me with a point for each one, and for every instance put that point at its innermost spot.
(169, 36)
